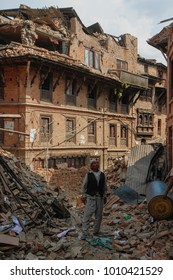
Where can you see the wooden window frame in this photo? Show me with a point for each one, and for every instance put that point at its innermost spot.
(91, 131)
(45, 129)
(122, 65)
(92, 58)
(71, 130)
(112, 134)
(124, 138)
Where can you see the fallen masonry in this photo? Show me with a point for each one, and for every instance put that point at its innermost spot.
(39, 221)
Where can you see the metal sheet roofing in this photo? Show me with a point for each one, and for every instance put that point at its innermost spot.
(138, 165)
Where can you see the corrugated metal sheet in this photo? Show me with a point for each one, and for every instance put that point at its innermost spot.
(138, 165)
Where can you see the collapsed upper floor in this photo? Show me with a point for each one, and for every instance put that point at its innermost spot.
(61, 31)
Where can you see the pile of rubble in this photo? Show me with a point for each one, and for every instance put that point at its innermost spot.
(116, 172)
(37, 222)
(67, 181)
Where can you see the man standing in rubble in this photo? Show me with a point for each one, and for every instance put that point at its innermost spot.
(94, 196)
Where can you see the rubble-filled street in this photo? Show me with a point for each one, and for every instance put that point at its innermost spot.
(43, 222)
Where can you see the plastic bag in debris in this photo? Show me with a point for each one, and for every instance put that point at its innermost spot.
(151, 220)
(63, 233)
(17, 226)
(127, 217)
(100, 241)
(4, 227)
(117, 234)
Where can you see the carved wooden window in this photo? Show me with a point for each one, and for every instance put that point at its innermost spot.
(71, 130)
(159, 127)
(124, 135)
(45, 128)
(91, 131)
(112, 134)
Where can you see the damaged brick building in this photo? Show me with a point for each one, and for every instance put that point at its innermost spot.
(163, 41)
(151, 105)
(81, 93)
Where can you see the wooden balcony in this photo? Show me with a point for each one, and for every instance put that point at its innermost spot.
(133, 79)
(71, 100)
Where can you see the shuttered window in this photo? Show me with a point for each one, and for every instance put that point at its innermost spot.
(45, 128)
(71, 130)
(124, 135)
(112, 134)
(91, 131)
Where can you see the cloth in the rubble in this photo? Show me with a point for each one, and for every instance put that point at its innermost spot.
(63, 233)
(17, 227)
(100, 241)
(4, 227)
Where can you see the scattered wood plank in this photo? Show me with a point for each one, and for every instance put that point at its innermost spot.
(9, 240)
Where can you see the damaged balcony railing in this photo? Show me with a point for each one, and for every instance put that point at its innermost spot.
(133, 79)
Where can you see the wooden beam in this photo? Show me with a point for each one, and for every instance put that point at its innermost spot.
(27, 73)
(14, 116)
(14, 131)
(35, 75)
(59, 76)
(68, 85)
(80, 86)
(44, 77)
(9, 240)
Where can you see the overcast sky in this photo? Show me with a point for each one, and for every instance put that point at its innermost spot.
(138, 17)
